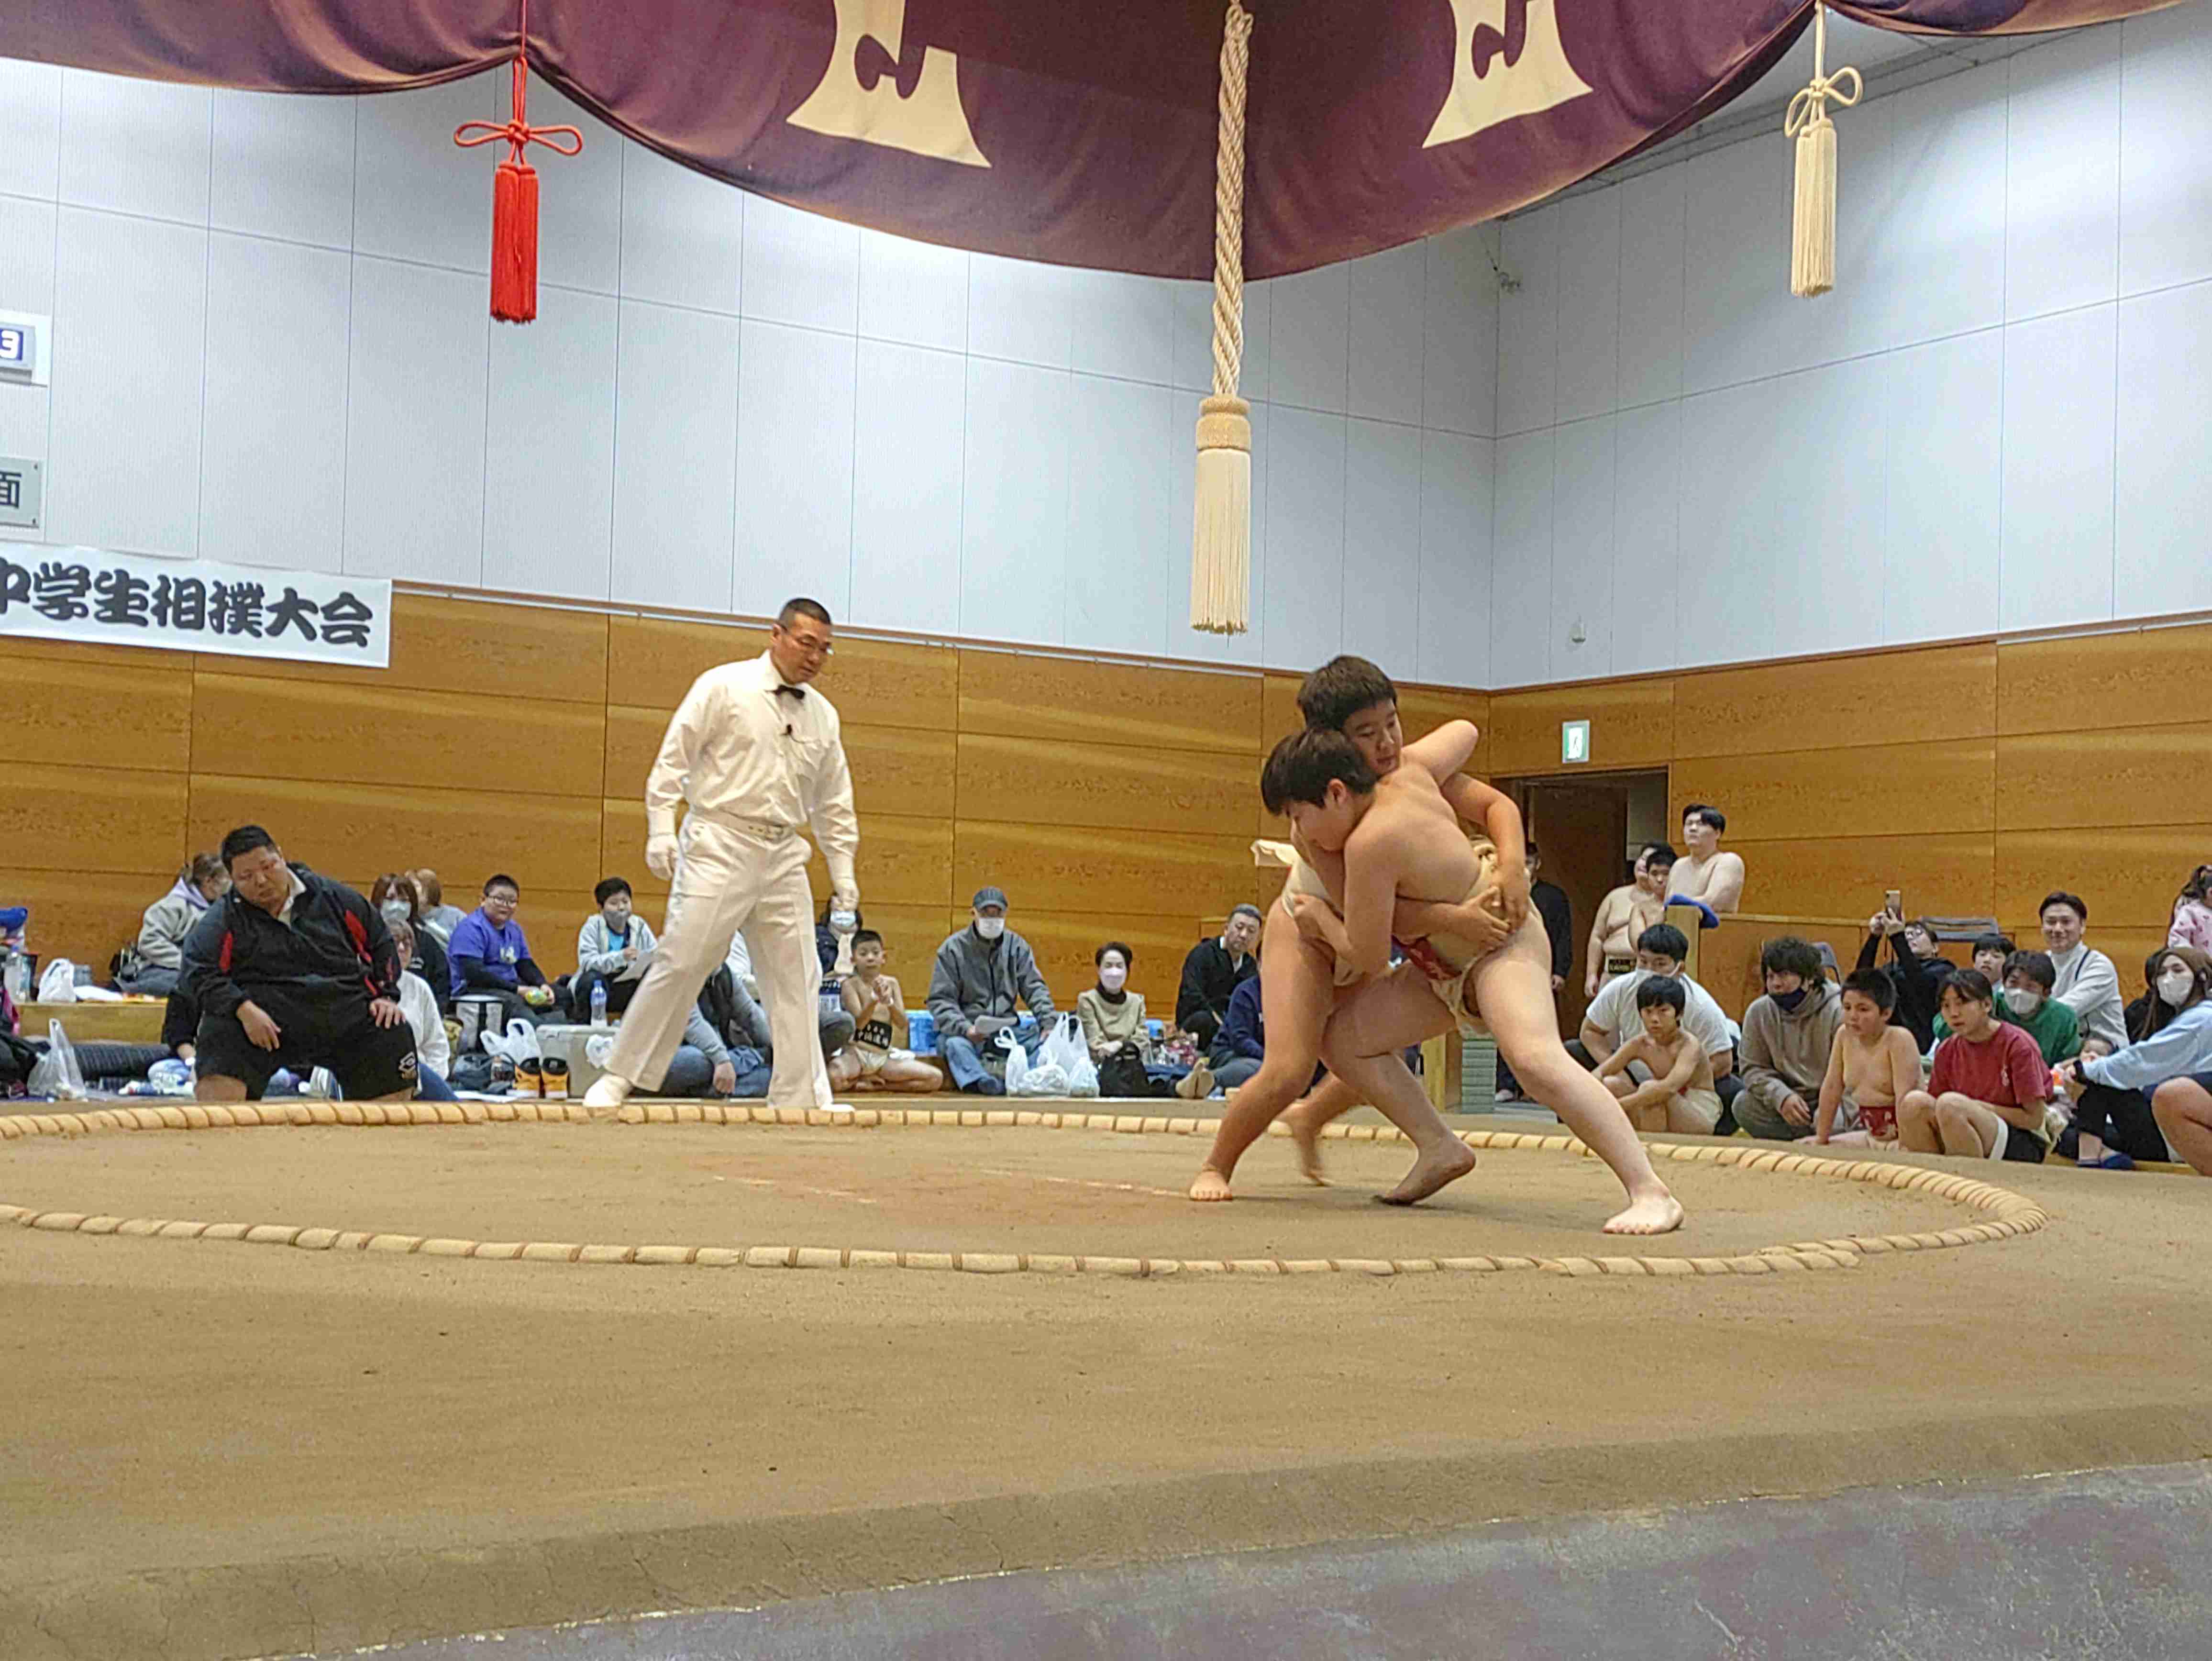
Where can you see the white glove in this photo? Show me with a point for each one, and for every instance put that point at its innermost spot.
(661, 856)
(845, 900)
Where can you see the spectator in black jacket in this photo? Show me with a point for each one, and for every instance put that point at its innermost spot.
(1918, 972)
(291, 969)
(1212, 972)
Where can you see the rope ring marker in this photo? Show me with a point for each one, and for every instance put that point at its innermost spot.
(2004, 1214)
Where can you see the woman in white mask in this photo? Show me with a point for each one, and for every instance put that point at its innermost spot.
(396, 899)
(2114, 1122)
(1113, 1023)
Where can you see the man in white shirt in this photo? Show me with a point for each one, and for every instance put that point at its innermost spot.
(1613, 1018)
(2087, 982)
(757, 754)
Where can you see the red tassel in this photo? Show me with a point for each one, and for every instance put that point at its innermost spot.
(514, 243)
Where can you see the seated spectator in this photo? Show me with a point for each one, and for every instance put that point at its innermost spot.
(440, 918)
(1789, 1035)
(1917, 974)
(1678, 1095)
(980, 973)
(735, 1012)
(1625, 914)
(434, 1050)
(877, 1007)
(1115, 1026)
(1238, 1048)
(2114, 1121)
(2192, 912)
(2087, 982)
(1213, 971)
(157, 957)
(1985, 1098)
(1990, 952)
(613, 938)
(290, 970)
(1705, 873)
(2025, 980)
(1874, 1063)
(396, 900)
(1613, 1018)
(490, 956)
(831, 930)
(703, 1064)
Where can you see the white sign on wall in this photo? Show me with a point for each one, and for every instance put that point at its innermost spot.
(193, 605)
(1574, 742)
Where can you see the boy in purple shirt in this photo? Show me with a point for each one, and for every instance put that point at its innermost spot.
(490, 956)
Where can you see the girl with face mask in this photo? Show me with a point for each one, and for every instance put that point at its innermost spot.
(2113, 1124)
(396, 899)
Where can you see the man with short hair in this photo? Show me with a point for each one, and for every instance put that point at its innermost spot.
(2086, 983)
(756, 752)
(1788, 1038)
(490, 956)
(980, 973)
(1213, 970)
(1613, 1018)
(1707, 873)
(290, 970)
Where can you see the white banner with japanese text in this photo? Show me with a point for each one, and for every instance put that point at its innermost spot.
(193, 605)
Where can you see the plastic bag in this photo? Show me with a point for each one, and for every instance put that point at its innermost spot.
(1018, 1067)
(57, 1074)
(518, 1044)
(58, 982)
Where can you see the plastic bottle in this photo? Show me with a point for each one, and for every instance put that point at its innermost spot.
(598, 1003)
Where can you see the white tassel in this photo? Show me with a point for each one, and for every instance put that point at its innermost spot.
(1813, 222)
(1221, 518)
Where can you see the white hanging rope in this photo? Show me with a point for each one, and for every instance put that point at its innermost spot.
(1221, 528)
(1813, 225)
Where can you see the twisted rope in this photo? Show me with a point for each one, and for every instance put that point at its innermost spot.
(1228, 205)
(1809, 107)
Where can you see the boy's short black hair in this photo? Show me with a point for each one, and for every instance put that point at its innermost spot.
(1128, 956)
(244, 840)
(611, 886)
(2074, 903)
(1971, 984)
(1664, 939)
(1663, 989)
(865, 937)
(500, 878)
(2001, 944)
(1874, 986)
(1657, 853)
(1340, 689)
(2036, 965)
(1706, 813)
(1303, 766)
(1785, 954)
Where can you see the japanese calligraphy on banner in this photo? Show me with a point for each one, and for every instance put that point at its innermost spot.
(193, 605)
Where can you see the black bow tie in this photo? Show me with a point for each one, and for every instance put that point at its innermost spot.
(791, 691)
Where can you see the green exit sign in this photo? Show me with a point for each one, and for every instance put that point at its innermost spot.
(1574, 742)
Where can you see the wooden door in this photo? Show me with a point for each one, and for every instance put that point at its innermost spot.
(1582, 828)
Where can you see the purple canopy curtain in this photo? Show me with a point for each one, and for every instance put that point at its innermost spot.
(1081, 131)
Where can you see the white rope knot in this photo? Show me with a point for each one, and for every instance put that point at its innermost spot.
(1812, 100)
(1813, 216)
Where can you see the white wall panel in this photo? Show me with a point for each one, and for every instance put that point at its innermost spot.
(417, 197)
(1013, 549)
(30, 129)
(2058, 470)
(1653, 226)
(1303, 610)
(1939, 244)
(800, 268)
(1308, 338)
(1123, 327)
(1582, 532)
(1382, 545)
(2062, 174)
(1021, 311)
(134, 146)
(1588, 353)
(795, 394)
(682, 234)
(1386, 341)
(1521, 567)
(1826, 501)
(1528, 323)
(909, 424)
(1459, 351)
(1121, 443)
(676, 456)
(2164, 487)
(1737, 314)
(1648, 483)
(283, 166)
(1729, 517)
(915, 293)
(1453, 619)
(549, 453)
(2166, 136)
(1946, 427)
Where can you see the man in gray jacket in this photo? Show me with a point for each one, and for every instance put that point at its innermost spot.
(980, 973)
(1787, 1037)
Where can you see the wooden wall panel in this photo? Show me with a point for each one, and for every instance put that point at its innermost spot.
(1631, 725)
(653, 661)
(2140, 776)
(1903, 789)
(467, 646)
(895, 769)
(2128, 874)
(94, 818)
(1422, 710)
(1121, 872)
(1108, 786)
(1279, 711)
(1842, 877)
(1887, 697)
(545, 841)
(285, 728)
(114, 714)
(1023, 695)
(2085, 682)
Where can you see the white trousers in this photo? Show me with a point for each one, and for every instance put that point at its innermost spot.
(729, 879)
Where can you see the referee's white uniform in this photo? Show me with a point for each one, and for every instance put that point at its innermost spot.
(755, 759)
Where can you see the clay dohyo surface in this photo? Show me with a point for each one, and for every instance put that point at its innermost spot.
(223, 1451)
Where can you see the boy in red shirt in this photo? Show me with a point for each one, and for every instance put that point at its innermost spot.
(1984, 1099)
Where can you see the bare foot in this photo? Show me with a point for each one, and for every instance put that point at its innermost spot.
(1448, 1163)
(1660, 1213)
(1307, 1136)
(1211, 1185)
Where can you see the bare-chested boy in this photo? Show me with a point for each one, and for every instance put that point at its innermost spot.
(1407, 844)
(1680, 1094)
(1707, 873)
(1871, 1064)
(878, 1007)
(1625, 914)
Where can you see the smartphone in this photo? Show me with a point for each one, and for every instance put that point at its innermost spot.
(1892, 902)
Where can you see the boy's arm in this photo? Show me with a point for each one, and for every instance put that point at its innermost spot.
(894, 996)
(1903, 1063)
(1599, 924)
(1832, 1092)
(1476, 803)
(1446, 751)
(1371, 865)
(1618, 1061)
(1724, 888)
(1687, 1059)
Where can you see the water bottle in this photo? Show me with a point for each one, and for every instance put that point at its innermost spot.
(598, 1003)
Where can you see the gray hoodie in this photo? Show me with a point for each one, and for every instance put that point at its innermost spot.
(975, 980)
(1785, 1052)
(168, 920)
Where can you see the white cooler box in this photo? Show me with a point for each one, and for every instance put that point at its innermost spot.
(569, 1043)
